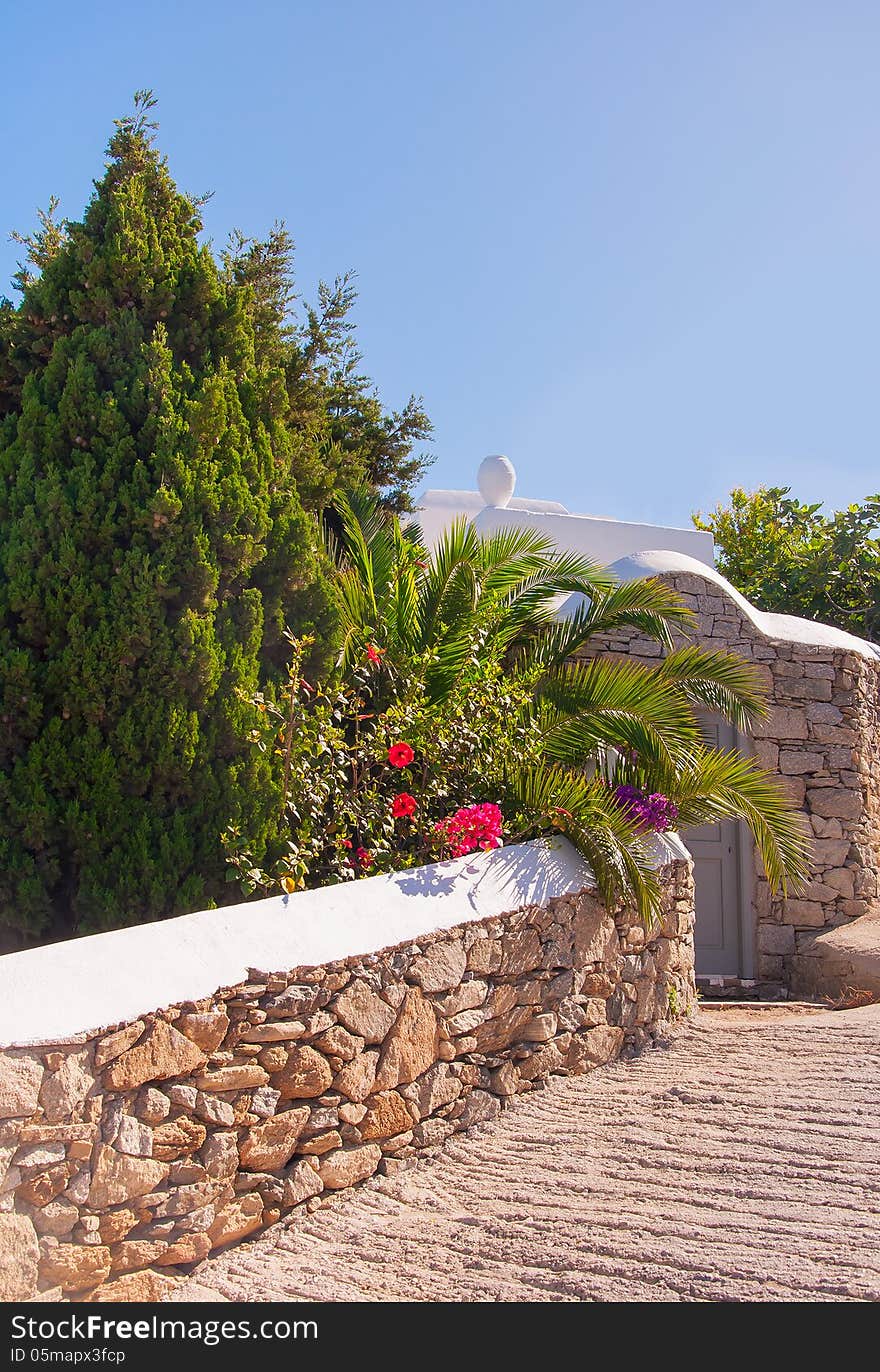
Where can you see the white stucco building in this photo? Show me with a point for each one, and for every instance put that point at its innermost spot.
(494, 506)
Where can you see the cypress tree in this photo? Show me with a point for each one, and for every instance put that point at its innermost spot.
(152, 543)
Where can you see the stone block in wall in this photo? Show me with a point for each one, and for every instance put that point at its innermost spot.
(411, 1044)
(842, 881)
(825, 828)
(802, 913)
(595, 936)
(306, 1074)
(207, 1029)
(363, 1012)
(793, 762)
(233, 1077)
(75, 1267)
(236, 1220)
(834, 734)
(270, 1146)
(19, 1258)
(767, 754)
(441, 968)
(117, 1178)
(112, 1045)
(347, 1166)
(21, 1076)
(783, 722)
(776, 939)
(818, 713)
(795, 788)
(809, 688)
(769, 967)
(831, 852)
(161, 1054)
(836, 804)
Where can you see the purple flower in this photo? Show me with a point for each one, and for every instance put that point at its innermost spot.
(652, 812)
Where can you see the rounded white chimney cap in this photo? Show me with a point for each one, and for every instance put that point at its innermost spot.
(496, 479)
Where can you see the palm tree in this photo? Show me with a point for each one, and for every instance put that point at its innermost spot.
(602, 722)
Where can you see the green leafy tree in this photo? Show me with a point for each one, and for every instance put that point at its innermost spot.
(459, 655)
(152, 547)
(340, 432)
(789, 557)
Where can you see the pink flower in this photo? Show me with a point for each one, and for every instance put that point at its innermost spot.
(374, 654)
(365, 858)
(470, 828)
(400, 755)
(403, 805)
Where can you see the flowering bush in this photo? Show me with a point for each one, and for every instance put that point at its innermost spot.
(653, 813)
(342, 753)
(471, 827)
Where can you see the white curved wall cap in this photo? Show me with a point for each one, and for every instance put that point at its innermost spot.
(785, 628)
(88, 984)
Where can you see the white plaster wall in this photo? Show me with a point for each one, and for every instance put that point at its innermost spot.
(89, 984)
(603, 540)
(437, 510)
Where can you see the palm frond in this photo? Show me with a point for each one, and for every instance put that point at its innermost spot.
(711, 785)
(621, 703)
(649, 606)
(621, 859)
(717, 681)
(448, 587)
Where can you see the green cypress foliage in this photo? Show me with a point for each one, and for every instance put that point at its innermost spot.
(152, 544)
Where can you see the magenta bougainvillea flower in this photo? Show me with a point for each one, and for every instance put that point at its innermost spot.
(400, 755)
(470, 828)
(652, 812)
(403, 805)
(365, 858)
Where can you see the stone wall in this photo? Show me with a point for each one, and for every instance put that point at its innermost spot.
(127, 1156)
(822, 739)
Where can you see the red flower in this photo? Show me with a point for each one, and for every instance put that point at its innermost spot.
(346, 843)
(365, 858)
(400, 755)
(403, 805)
(374, 654)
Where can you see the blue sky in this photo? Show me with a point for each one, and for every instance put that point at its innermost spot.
(633, 246)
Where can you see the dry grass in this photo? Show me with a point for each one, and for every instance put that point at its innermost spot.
(851, 998)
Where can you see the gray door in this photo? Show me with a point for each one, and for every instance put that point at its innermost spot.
(716, 852)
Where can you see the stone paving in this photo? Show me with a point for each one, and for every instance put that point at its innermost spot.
(737, 1163)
